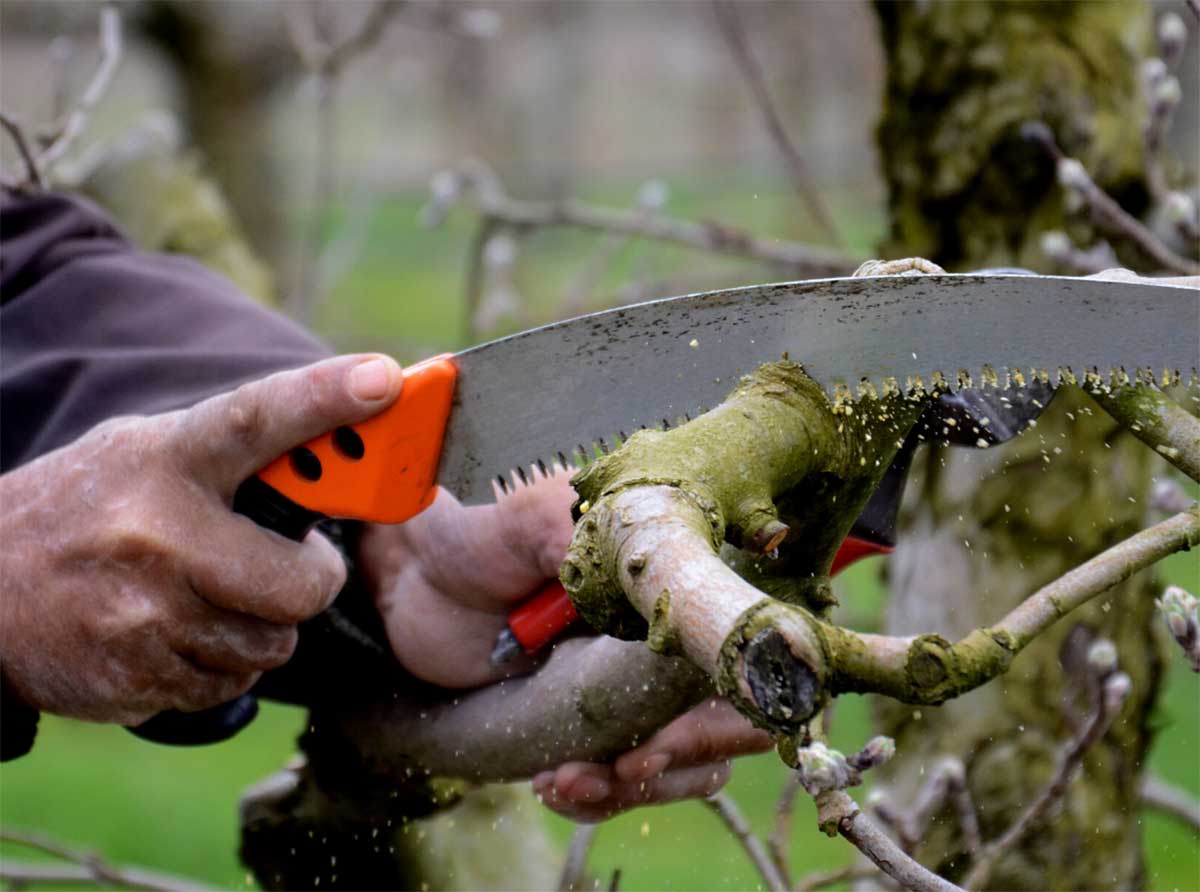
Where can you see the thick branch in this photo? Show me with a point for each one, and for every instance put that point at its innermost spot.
(493, 203)
(1156, 420)
(592, 699)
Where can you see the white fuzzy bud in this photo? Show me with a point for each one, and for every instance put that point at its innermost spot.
(1116, 689)
(443, 186)
(1181, 611)
(500, 252)
(1172, 36)
(1153, 71)
(822, 769)
(877, 751)
(1072, 175)
(1178, 601)
(1180, 208)
(1167, 93)
(653, 194)
(1102, 656)
(1056, 245)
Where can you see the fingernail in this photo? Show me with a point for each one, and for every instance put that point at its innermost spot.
(371, 380)
(653, 766)
(542, 780)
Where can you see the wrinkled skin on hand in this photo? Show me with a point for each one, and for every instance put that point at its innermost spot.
(128, 586)
(445, 582)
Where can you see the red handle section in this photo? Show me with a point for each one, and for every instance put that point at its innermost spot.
(382, 470)
(538, 621)
(541, 619)
(854, 549)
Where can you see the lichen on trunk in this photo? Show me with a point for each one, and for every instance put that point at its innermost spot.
(983, 529)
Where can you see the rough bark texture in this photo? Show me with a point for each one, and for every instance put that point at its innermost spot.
(965, 190)
(985, 528)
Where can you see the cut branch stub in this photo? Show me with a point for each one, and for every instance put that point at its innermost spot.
(645, 559)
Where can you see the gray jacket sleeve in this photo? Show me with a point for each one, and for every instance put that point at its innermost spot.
(91, 328)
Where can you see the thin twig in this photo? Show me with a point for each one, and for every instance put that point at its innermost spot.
(33, 173)
(849, 873)
(838, 813)
(730, 23)
(326, 61)
(1105, 211)
(727, 810)
(777, 842)
(650, 200)
(575, 865)
(481, 184)
(473, 283)
(1051, 602)
(1108, 704)
(947, 784)
(77, 117)
(86, 867)
(1175, 801)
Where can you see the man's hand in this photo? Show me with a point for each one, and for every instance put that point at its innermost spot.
(128, 584)
(445, 582)
(687, 759)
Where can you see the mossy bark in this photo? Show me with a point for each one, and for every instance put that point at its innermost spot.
(983, 529)
(964, 189)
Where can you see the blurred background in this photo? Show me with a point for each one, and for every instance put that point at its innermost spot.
(323, 172)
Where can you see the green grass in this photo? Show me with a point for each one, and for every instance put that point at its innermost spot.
(176, 809)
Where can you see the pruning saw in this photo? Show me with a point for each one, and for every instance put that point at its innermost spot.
(495, 416)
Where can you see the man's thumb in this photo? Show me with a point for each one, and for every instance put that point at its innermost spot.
(231, 436)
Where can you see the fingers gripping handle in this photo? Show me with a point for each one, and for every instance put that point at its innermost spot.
(382, 470)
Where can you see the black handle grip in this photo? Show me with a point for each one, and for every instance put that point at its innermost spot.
(271, 509)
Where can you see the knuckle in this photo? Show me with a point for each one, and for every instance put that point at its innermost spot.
(277, 648)
(243, 416)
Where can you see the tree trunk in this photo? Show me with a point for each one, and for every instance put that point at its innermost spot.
(985, 528)
(229, 59)
(964, 189)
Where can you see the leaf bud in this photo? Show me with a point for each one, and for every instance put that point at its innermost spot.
(1071, 174)
(1056, 245)
(1180, 208)
(822, 769)
(1102, 656)
(1172, 37)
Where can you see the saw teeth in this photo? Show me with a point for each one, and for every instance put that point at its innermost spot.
(844, 400)
(917, 386)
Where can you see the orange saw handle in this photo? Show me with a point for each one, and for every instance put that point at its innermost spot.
(539, 620)
(383, 470)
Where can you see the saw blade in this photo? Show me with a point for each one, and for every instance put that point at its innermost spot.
(556, 395)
